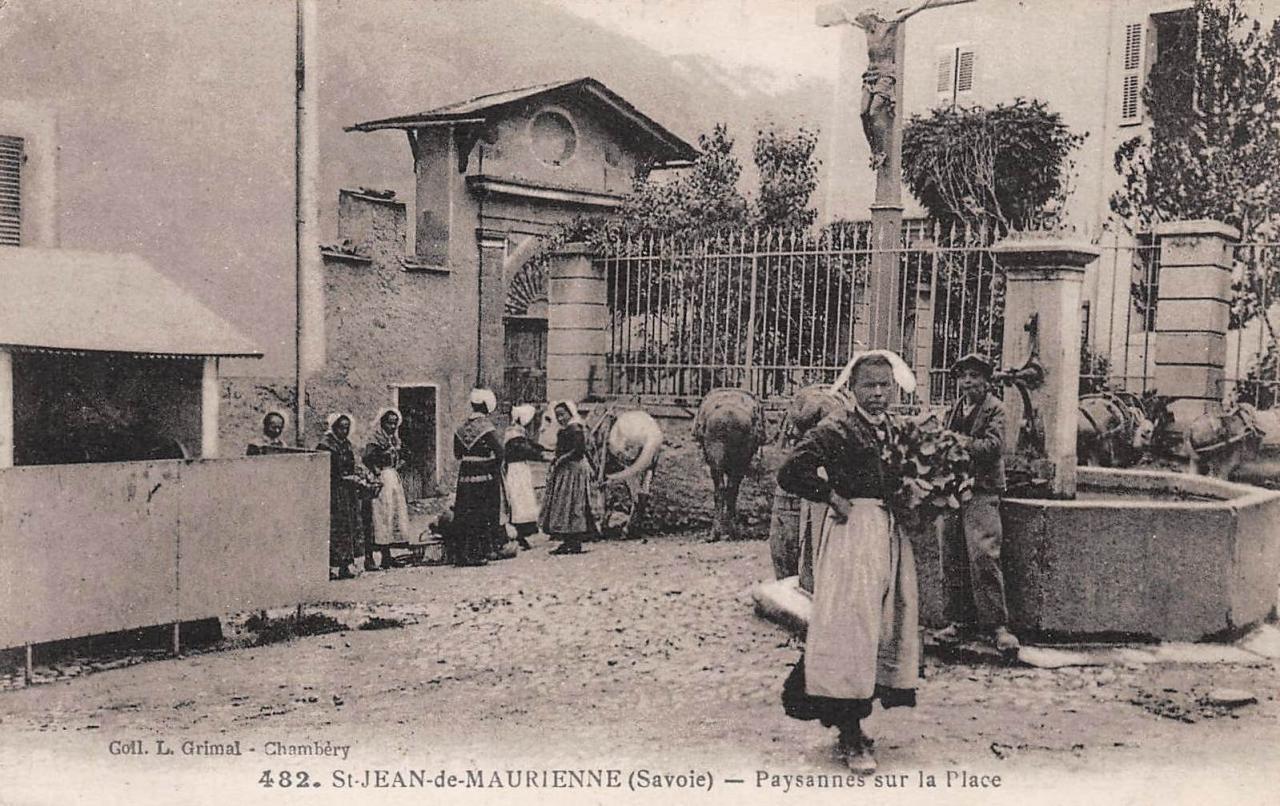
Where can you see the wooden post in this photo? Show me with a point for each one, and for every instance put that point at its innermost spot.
(177, 639)
(29, 672)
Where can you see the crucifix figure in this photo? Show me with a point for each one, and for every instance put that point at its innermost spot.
(878, 110)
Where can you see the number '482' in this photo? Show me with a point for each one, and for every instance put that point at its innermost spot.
(284, 779)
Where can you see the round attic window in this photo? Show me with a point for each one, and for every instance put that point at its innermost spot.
(554, 139)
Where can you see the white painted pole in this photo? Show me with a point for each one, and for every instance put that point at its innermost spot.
(210, 397)
(6, 408)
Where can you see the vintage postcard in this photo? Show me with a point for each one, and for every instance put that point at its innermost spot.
(639, 401)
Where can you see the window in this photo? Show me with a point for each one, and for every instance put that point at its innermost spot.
(1132, 75)
(11, 159)
(553, 137)
(956, 74)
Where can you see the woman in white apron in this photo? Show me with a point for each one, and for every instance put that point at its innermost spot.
(389, 522)
(518, 450)
(863, 641)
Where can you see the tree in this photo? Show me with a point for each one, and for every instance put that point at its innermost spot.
(705, 198)
(981, 172)
(1213, 99)
(997, 168)
(788, 177)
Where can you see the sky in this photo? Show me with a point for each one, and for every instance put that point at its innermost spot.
(778, 38)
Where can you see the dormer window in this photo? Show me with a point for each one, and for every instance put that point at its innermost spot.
(553, 137)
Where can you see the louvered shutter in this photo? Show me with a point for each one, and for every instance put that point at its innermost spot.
(946, 75)
(1131, 74)
(10, 191)
(966, 72)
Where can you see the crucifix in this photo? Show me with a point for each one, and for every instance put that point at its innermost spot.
(882, 23)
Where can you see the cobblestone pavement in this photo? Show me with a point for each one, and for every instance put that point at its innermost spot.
(635, 653)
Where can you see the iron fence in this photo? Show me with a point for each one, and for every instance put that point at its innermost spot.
(1118, 316)
(1252, 373)
(774, 311)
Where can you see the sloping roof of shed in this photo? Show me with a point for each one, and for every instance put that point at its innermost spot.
(61, 299)
(667, 146)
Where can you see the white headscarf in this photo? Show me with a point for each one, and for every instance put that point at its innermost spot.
(333, 418)
(523, 415)
(486, 398)
(574, 417)
(377, 421)
(902, 373)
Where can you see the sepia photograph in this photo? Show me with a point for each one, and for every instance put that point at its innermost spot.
(639, 402)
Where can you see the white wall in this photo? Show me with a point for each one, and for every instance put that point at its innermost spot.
(38, 127)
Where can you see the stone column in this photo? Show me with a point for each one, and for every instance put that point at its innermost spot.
(6, 409)
(1044, 273)
(210, 395)
(1192, 314)
(577, 325)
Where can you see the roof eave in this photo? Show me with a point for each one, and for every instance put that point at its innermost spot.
(415, 122)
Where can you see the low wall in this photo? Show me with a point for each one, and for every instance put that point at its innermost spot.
(95, 548)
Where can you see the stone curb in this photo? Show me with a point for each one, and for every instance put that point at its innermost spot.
(783, 602)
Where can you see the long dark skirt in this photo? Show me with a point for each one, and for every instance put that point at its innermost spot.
(346, 534)
(476, 513)
(567, 508)
(837, 711)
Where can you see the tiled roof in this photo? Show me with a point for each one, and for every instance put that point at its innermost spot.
(667, 146)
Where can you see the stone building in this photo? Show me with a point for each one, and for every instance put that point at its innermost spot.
(416, 328)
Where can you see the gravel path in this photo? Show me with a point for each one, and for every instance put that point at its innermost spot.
(635, 653)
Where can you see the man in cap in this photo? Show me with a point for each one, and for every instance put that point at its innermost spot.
(970, 540)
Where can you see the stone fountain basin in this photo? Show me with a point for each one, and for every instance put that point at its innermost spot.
(1138, 553)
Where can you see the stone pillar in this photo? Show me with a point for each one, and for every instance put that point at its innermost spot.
(6, 409)
(210, 395)
(1192, 314)
(1044, 274)
(577, 325)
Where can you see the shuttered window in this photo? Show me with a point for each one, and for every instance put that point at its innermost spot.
(956, 74)
(10, 191)
(946, 73)
(964, 72)
(1131, 74)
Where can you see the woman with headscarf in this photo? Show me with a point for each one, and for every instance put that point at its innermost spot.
(389, 512)
(566, 512)
(863, 639)
(477, 509)
(273, 425)
(518, 450)
(345, 484)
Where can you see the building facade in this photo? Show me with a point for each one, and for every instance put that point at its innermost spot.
(424, 300)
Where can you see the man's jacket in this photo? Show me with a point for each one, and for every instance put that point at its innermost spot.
(985, 426)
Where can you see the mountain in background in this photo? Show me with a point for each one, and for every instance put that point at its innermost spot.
(176, 117)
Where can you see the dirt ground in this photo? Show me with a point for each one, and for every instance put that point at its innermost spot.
(638, 655)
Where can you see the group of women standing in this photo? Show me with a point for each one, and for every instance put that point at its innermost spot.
(368, 510)
(495, 483)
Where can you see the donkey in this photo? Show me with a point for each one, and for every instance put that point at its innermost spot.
(730, 429)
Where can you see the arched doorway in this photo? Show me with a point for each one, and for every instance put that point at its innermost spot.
(525, 320)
